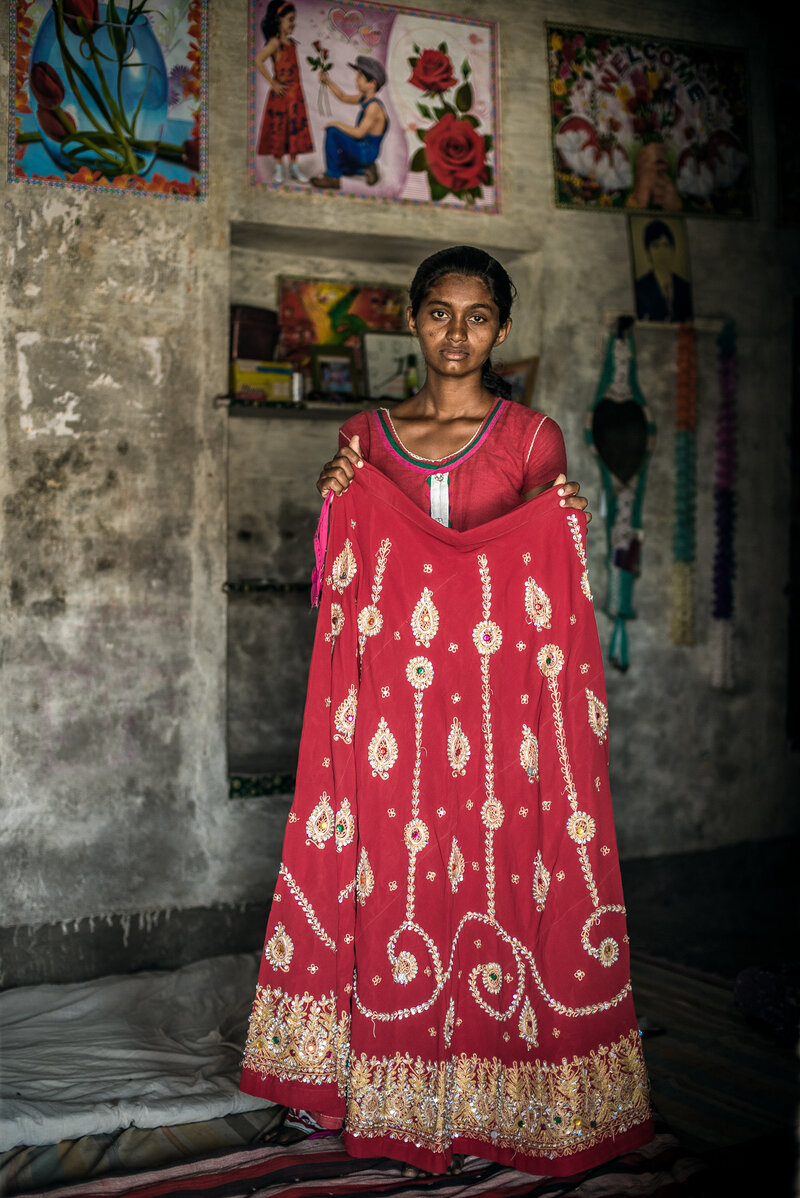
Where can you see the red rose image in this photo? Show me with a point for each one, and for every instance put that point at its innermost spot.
(433, 72)
(456, 154)
(74, 10)
(46, 85)
(56, 128)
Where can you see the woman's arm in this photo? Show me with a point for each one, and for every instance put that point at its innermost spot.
(268, 51)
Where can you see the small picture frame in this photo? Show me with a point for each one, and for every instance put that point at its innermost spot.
(333, 372)
(521, 377)
(392, 364)
(662, 277)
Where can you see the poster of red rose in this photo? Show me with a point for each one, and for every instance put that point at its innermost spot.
(648, 124)
(110, 96)
(374, 101)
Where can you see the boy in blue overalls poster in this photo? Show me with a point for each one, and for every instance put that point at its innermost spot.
(354, 149)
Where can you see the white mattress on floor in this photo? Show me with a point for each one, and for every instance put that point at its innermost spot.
(145, 1049)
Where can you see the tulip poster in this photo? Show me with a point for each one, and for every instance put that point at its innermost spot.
(110, 97)
(424, 84)
(646, 124)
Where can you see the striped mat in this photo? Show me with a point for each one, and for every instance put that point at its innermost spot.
(318, 1166)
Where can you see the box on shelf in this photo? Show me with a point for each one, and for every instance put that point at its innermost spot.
(269, 382)
(254, 332)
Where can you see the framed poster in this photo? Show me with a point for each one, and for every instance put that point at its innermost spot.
(327, 312)
(391, 364)
(646, 123)
(423, 85)
(521, 377)
(333, 371)
(110, 97)
(662, 280)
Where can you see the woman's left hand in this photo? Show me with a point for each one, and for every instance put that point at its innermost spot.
(571, 496)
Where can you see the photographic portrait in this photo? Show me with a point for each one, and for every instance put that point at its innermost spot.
(661, 273)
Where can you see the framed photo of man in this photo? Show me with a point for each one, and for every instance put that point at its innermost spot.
(662, 277)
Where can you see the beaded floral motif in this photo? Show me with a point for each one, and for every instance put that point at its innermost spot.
(345, 718)
(298, 1038)
(345, 827)
(279, 949)
(337, 622)
(425, 619)
(550, 660)
(455, 866)
(365, 879)
(344, 568)
(541, 882)
(577, 539)
(405, 968)
(416, 835)
(581, 827)
(419, 673)
(449, 1023)
(492, 814)
(370, 621)
(492, 977)
(598, 716)
(458, 749)
(319, 827)
(529, 754)
(488, 637)
(537, 605)
(528, 1025)
(382, 751)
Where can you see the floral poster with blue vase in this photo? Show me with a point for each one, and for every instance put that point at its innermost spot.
(110, 97)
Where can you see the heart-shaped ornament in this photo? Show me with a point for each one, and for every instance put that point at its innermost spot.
(369, 35)
(346, 21)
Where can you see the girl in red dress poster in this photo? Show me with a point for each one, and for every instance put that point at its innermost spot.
(284, 126)
(446, 963)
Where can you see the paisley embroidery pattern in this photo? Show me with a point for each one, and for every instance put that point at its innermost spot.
(365, 879)
(550, 660)
(425, 619)
(345, 826)
(319, 827)
(419, 673)
(345, 718)
(529, 754)
(458, 749)
(541, 882)
(382, 751)
(279, 949)
(528, 1027)
(537, 605)
(337, 622)
(488, 637)
(370, 621)
(344, 568)
(598, 716)
(455, 866)
(404, 969)
(492, 976)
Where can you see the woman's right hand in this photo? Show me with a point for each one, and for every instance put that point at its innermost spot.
(337, 475)
(278, 88)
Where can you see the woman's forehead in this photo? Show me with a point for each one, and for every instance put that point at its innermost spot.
(460, 289)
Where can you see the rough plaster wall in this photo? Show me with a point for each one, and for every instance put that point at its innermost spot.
(114, 317)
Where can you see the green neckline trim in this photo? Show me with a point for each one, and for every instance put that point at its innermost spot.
(435, 467)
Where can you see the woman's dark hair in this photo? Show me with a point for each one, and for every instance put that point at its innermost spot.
(473, 264)
(271, 22)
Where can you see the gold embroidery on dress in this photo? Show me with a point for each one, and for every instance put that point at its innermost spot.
(344, 568)
(577, 539)
(382, 751)
(345, 718)
(405, 968)
(530, 1107)
(370, 619)
(306, 908)
(319, 826)
(279, 949)
(529, 754)
(541, 882)
(425, 619)
(458, 749)
(298, 1038)
(528, 1026)
(455, 867)
(365, 879)
(337, 622)
(537, 605)
(345, 828)
(488, 637)
(598, 716)
(449, 1023)
(607, 952)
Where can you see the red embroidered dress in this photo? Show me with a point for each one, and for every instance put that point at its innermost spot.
(446, 961)
(284, 126)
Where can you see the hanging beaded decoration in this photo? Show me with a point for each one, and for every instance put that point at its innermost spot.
(725, 513)
(681, 627)
(620, 430)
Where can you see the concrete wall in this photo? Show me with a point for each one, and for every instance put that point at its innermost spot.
(114, 811)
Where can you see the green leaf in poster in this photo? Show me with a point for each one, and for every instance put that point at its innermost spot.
(489, 176)
(438, 113)
(412, 62)
(463, 98)
(416, 48)
(419, 162)
(443, 47)
(473, 120)
(449, 108)
(421, 133)
(465, 69)
(488, 142)
(116, 30)
(311, 61)
(425, 111)
(438, 190)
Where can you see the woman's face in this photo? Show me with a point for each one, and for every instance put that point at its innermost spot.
(288, 23)
(458, 325)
